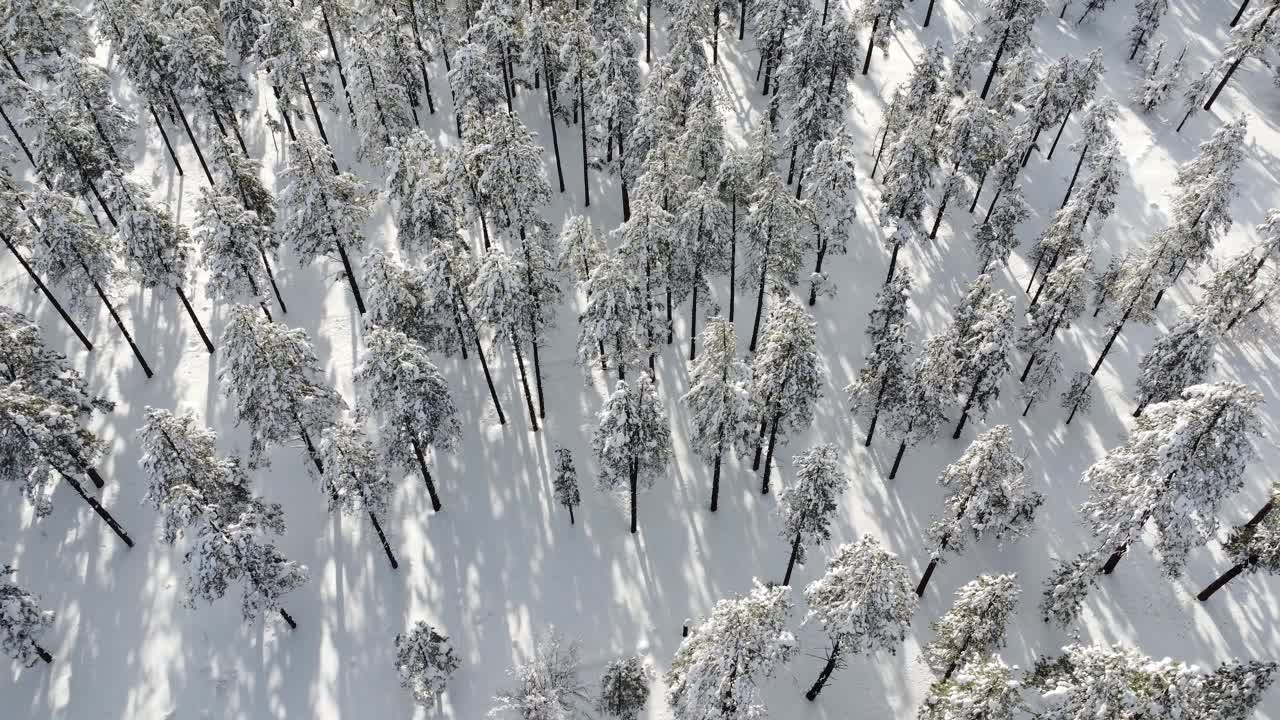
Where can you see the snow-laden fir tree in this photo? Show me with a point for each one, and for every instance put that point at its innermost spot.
(44, 372)
(997, 235)
(1203, 191)
(1253, 547)
(1182, 459)
(624, 688)
(882, 16)
(233, 241)
(34, 33)
(272, 374)
(353, 478)
(884, 382)
(1159, 79)
(429, 209)
(1096, 137)
(1009, 24)
(241, 22)
(1046, 99)
(827, 202)
(1248, 39)
(499, 298)
(287, 49)
(1016, 80)
(1040, 380)
(378, 94)
(718, 399)
(970, 142)
(1149, 14)
(581, 248)
(717, 671)
(509, 163)
(786, 379)
(864, 602)
(578, 61)
(425, 660)
(920, 415)
(975, 353)
(546, 686)
(565, 482)
(203, 76)
(704, 226)
(91, 125)
(326, 210)
(402, 298)
(806, 506)
(1180, 358)
(141, 51)
(1193, 96)
(1128, 289)
(775, 244)
(968, 50)
(813, 87)
(648, 249)
(22, 622)
(615, 89)
(985, 688)
(703, 138)
(1058, 303)
(612, 324)
(906, 181)
(975, 624)
(1239, 288)
(632, 442)
(987, 496)
(409, 398)
(773, 21)
(1078, 397)
(911, 99)
(1083, 77)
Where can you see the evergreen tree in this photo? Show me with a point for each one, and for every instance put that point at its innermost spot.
(1065, 300)
(1129, 287)
(1082, 81)
(813, 83)
(509, 163)
(89, 110)
(410, 398)
(718, 398)
(906, 182)
(786, 378)
(36, 32)
(975, 353)
(774, 241)
(379, 95)
(807, 505)
(717, 670)
(565, 482)
(1096, 137)
(773, 21)
(353, 478)
(1203, 191)
(579, 59)
(326, 209)
(203, 76)
(632, 441)
(1252, 547)
(233, 245)
(1248, 39)
(1149, 14)
(582, 248)
(499, 298)
(734, 182)
(1182, 459)
(42, 371)
(919, 416)
(241, 22)
(1009, 24)
(1041, 379)
(703, 224)
(615, 89)
(402, 299)
(1158, 80)
(828, 204)
(997, 235)
(882, 16)
(1193, 96)
(624, 688)
(1078, 397)
(648, 249)
(984, 689)
(864, 603)
(22, 622)
(613, 317)
(546, 687)
(972, 136)
(884, 381)
(425, 660)
(911, 99)
(988, 496)
(1180, 358)
(975, 624)
(1046, 100)
(287, 48)
(477, 89)
(273, 376)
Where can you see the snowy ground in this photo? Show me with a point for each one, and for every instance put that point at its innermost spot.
(501, 564)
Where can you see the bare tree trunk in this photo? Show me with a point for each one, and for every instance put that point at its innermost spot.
(97, 508)
(208, 344)
(44, 289)
(382, 537)
(768, 457)
(833, 657)
(426, 475)
(897, 459)
(1227, 576)
(791, 562)
(165, 136)
(524, 380)
(928, 574)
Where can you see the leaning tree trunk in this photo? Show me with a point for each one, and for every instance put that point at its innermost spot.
(791, 562)
(524, 380)
(551, 115)
(115, 316)
(1226, 577)
(208, 344)
(97, 508)
(768, 457)
(764, 276)
(426, 475)
(871, 45)
(634, 481)
(382, 537)
(715, 472)
(995, 62)
(833, 657)
(924, 579)
(1074, 175)
(1065, 117)
(1226, 77)
(191, 137)
(44, 289)
(165, 136)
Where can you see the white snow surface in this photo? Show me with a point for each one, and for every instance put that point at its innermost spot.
(500, 563)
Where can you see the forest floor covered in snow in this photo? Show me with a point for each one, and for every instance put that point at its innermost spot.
(500, 564)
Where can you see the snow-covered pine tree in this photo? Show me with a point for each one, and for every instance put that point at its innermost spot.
(1149, 14)
(968, 50)
(988, 496)
(984, 689)
(911, 99)
(1193, 96)
(241, 22)
(353, 478)
(906, 181)
(1159, 79)
(978, 344)
(1180, 358)
(997, 235)
(827, 203)
(546, 686)
(1039, 382)
(579, 59)
(410, 399)
(864, 602)
(1129, 287)
(971, 140)
(90, 110)
(203, 76)
(813, 83)
(499, 298)
(1091, 7)
(1082, 82)
(157, 250)
(882, 16)
(919, 416)
(975, 624)
(703, 224)
(287, 48)
(1078, 397)
(734, 182)
(718, 668)
(326, 209)
(1066, 233)
(1067, 287)
(25, 359)
(1015, 82)
(380, 100)
(233, 246)
(275, 379)
(1235, 290)
(69, 250)
(1095, 134)
(632, 442)
(424, 661)
(1046, 99)
(1183, 458)
(1252, 547)
(240, 550)
(624, 688)
(718, 398)
(884, 381)
(1235, 689)
(565, 481)
(773, 21)
(615, 90)
(477, 89)
(36, 32)
(509, 165)
(22, 622)
(401, 299)
(774, 241)
(581, 247)
(614, 317)
(806, 506)
(1248, 39)
(1009, 24)
(786, 378)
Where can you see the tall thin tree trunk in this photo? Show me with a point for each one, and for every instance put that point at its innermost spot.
(426, 475)
(648, 34)
(97, 508)
(1231, 70)
(551, 115)
(524, 380)
(871, 45)
(1235, 570)
(928, 574)
(191, 137)
(634, 483)
(733, 248)
(382, 537)
(893, 262)
(315, 113)
(137, 353)
(1056, 138)
(1111, 341)
(693, 323)
(1239, 13)
(977, 192)
(271, 276)
(937, 220)
(995, 62)
(1075, 174)
(586, 174)
(768, 456)
(44, 289)
(833, 657)
(817, 270)
(488, 378)
(16, 136)
(791, 562)
(897, 459)
(288, 618)
(742, 19)
(715, 34)
(311, 448)
(44, 654)
(208, 344)
(715, 473)
(764, 274)
(165, 136)
(1114, 560)
(337, 59)
(928, 14)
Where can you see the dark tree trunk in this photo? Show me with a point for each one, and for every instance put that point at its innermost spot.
(337, 59)
(571, 521)
(893, 262)
(44, 654)
(137, 353)
(715, 479)
(1227, 576)
(192, 313)
(165, 136)
(817, 270)
(928, 574)
(271, 276)
(1184, 120)
(715, 34)
(871, 45)
(768, 456)
(524, 381)
(21, 143)
(1074, 175)
(1027, 409)
(191, 137)
(382, 537)
(937, 220)
(670, 325)
(311, 449)
(1026, 370)
(350, 273)
(551, 115)
(289, 619)
(833, 659)
(742, 19)
(97, 508)
(315, 113)
(44, 289)
(537, 372)
(1056, 138)
(1112, 561)
(791, 562)
(764, 427)
(1261, 515)
(897, 459)
(1111, 341)
(1072, 414)
(1239, 13)
(586, 176)
(928, 14)
(634, 482)
(995, 62)
(1034, 139)
(648, 36)
(488, 378)
(982, 179)
(764, 274)
(426, 476)
(733, 247)
(693, 323)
